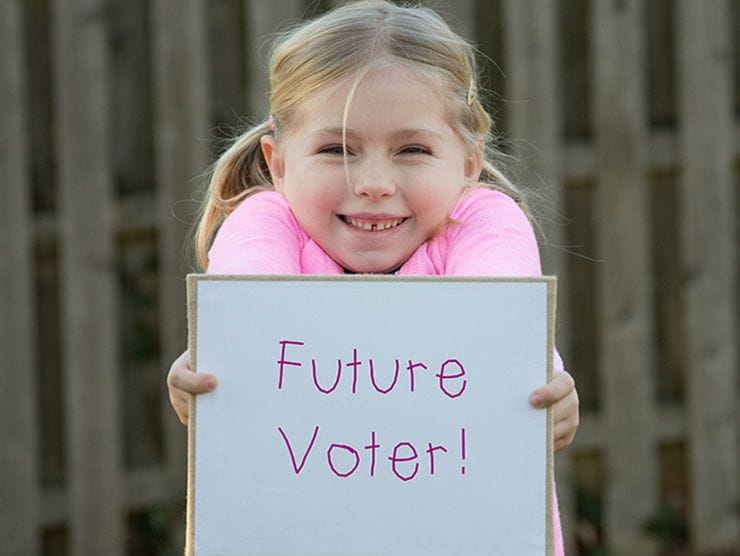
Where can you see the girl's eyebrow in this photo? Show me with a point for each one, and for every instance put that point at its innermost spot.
(400, 134)
(333, 132)
(426, 133)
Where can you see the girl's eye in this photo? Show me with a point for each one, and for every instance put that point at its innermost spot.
(415, 149)
(334, 149)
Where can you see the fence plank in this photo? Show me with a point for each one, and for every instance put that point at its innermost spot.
(580, 164)
(88, 281)
(530, 29)
(263, 20)
(181, 116)
(625, 322)
(708, 230)
(19, 486)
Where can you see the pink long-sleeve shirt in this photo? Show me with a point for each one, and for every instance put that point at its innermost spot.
(488, 235)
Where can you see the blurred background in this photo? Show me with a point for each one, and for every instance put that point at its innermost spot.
(622, 118)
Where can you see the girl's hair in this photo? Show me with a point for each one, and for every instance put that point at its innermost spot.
(348, 41)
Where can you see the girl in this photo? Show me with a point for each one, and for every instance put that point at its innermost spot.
(376, 159)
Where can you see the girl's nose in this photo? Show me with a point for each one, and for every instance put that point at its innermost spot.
(374, 183)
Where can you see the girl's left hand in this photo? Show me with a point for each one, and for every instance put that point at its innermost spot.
(560, 394)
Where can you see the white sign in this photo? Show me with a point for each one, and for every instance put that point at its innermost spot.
(370, 415)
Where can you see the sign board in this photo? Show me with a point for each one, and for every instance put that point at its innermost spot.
(370, 415)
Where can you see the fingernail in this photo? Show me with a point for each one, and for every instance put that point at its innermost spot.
(535, 400)
(211, 383)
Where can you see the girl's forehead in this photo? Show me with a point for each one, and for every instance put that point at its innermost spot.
(387, 88)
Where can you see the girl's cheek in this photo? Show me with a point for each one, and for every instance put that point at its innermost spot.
(324, 199)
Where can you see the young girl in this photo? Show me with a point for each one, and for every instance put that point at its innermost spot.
(376, 159)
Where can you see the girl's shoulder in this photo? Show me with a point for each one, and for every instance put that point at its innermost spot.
(264, 207)
(260, 236)
(484, 201)
(261, 199)
(264, 211)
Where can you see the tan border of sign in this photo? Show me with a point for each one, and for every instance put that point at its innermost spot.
(192, 289)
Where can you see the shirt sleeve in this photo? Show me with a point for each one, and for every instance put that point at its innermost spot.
(491, 237)
(261, 236)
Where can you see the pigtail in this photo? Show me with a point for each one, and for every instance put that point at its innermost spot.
(239, 172)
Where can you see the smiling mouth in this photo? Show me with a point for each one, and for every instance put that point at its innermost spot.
(372, 225)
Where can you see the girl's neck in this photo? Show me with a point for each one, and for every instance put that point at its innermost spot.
(387, 272)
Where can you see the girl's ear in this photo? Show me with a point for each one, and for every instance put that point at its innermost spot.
(274, 159)
(474, 164)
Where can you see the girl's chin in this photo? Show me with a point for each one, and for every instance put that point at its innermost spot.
(369, 268)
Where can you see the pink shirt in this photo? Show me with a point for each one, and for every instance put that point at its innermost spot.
(489, 236)
(492, 238)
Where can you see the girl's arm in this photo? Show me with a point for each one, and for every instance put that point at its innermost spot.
(260, 236)
(493, 237)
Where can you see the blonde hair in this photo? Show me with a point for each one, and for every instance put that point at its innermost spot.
(352, 40)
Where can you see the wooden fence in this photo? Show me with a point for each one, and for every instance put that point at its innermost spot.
(625, 114)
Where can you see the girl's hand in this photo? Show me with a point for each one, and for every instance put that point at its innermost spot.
(560, 394)
(182, 382)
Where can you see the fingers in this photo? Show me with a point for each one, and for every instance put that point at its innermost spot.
(183, 382)
(563, 435)
(566, 419)
(560, 386)
(560, 394)
(181, 405)
(563, 442)
(190, 382)
(566, 409)
(182, 377)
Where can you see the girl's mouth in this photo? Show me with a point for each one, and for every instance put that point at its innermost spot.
(372, 225)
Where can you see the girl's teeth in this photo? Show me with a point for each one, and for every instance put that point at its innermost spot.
(373, 226)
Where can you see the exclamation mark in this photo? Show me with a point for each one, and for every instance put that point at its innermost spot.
(462, 445)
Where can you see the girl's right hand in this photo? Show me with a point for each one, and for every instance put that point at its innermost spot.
(183, 382)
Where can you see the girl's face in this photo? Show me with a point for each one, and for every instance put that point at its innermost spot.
(406, 166)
